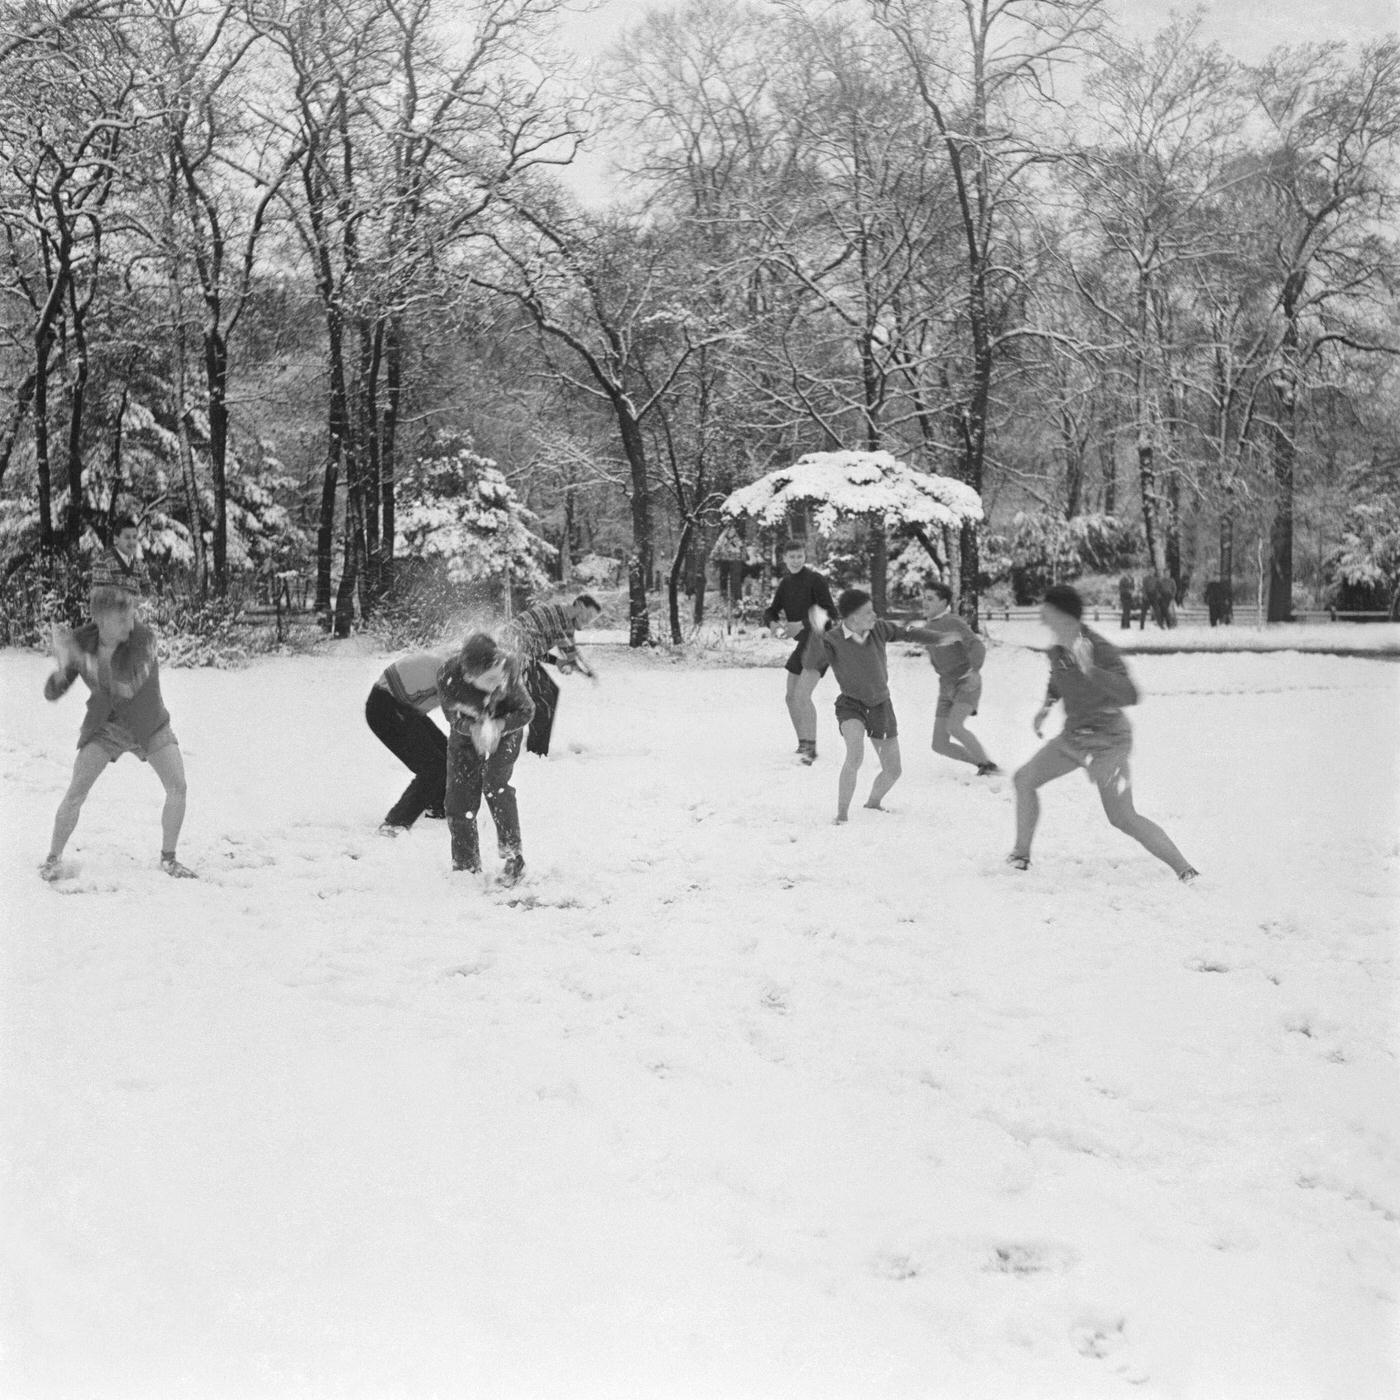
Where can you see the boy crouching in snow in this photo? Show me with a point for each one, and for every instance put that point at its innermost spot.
(488, 707)
(116, 657)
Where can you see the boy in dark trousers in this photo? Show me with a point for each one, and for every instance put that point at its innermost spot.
(800, 590)
(1088, 675)
(543, 633)
(398, 710)
(116, 657)
(488, 706)
(957, 654)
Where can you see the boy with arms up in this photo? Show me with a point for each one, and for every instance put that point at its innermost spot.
(800, 590)
(957, 654)
(1088, 674)
(487, 703)
(116, 657)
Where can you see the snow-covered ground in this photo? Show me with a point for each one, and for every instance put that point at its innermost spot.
(726, 1103)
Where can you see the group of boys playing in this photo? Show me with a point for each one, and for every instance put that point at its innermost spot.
(496, 694)
(1087, 675)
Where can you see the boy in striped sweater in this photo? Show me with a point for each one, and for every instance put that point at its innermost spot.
(543, 633)
(116, 657)
(398, 711)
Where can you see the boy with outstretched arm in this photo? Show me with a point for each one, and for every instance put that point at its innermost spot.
(543, 633)
(486, 701)
(800, 590)
(116, 657)
(957, 654)
(398, 710)
(1087, 673)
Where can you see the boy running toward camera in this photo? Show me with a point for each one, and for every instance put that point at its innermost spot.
(488, 706)
(800, 590)
(116, 657)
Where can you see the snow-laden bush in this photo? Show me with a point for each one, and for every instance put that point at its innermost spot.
(596, 571)
(456, 506)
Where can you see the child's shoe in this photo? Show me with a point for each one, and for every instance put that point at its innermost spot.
(51, 869)
(391, 829)
(172, 867)
(513, 869)
(987, 770)
(807, 751)
(1189, 876)
(1017, 862)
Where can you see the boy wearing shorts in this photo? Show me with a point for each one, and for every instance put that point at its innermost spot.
(800, 590)
(1087, 673)
(116, 657)
(957, 654)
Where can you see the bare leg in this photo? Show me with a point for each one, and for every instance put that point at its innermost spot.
(953, 739)
(1116, 793)
(890, 768)
(853, 732)
(801, 710)
(1049, 763)
(169, 764)
(87, 768)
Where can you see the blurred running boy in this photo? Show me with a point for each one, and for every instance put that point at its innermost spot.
(116, 657)
(1088, 675)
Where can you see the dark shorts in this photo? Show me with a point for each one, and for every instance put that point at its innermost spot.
(879, 720)
(794, 662)
(1103, 754)
(965, 691)
(115, 740)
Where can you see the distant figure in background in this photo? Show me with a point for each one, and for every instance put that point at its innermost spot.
(1088, 674)
(728, 559)
(1126, 597)
(545, 633)
(798, 592)
(397, 711)
(1158, 592)
(1218, 602)
(123, 558)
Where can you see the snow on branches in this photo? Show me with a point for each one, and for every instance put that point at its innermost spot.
(460, 509)
(836, 484)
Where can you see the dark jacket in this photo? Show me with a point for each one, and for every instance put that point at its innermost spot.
(464, 703)
(1095, 698)
(793, 600)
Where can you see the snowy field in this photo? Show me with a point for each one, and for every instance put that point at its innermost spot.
(725, 1103)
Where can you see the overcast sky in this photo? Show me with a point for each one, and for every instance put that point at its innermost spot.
(1246, 28)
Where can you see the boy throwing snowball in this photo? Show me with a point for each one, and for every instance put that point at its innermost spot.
(1088, 675)
(957, 653)
(488, 706)
(116, 657)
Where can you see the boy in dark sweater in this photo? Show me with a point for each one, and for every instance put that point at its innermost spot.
(800, 590)
(116, 657)
(488, 706)
(1088, 675)
(957, 655)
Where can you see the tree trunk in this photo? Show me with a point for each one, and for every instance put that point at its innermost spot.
(76, 403)
(673, 581)
(42, 470)
(639, 563)
(1284, 454)
(336, 448)
(879, 556)
(216, 387)
(388, 450)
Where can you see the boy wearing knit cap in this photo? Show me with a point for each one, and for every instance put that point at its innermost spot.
(116, 657)
(1088, 675)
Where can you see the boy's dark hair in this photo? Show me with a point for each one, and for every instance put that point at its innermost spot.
(479, 653)
(852, 600)
(1066, 599)
(587, 600)
(122, 522)
(941, 589)
(790, 545)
